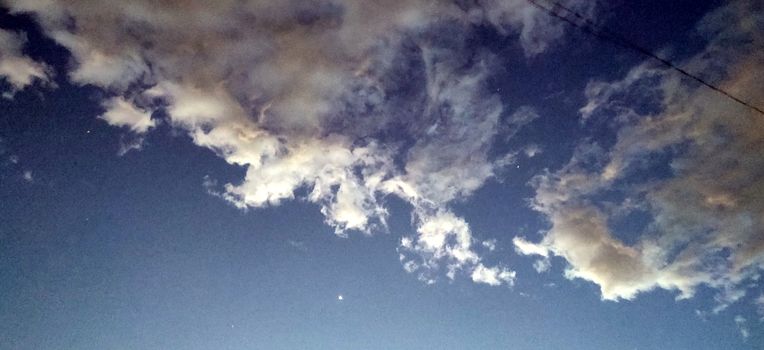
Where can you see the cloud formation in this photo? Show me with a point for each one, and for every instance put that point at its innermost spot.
(742, 326)
(16, 69)
(705, 209)
(120, 112)
(352, 101)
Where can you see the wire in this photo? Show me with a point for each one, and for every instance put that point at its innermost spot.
(588, 26)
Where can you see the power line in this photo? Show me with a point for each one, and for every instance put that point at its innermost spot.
(588, 26)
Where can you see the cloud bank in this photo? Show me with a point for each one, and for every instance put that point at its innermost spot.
(705, 209)
(352, 101)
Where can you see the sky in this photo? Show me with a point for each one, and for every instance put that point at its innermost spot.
(389, 174)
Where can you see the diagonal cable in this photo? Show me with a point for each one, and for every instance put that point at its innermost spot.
(586, 25)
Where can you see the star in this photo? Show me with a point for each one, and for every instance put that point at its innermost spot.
(340, 298)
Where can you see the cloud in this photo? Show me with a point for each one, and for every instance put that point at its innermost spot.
(759, 302)
(129, 142)
(524, 247)
(445, 242)
(532, 150)
(493, 276)
(521, 117)
(705, 209)
(120, 112)
(27, 176)
(352, 101)
(15, 68)
(299, 245)
(742, 326)
(123, 113)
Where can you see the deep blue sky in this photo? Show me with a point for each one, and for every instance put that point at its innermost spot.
(101, 251)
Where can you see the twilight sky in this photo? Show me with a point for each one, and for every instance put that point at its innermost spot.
(380, 174)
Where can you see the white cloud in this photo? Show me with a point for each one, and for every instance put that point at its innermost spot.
(532, 150)
(493, 276)
(542, 265)
(524, 247)
(351, 100)
(706, 213)
(129, 142)
(489, 244)
(742, 326)
(442, 238)
(120, 112)
(27, 176)
(536, 28)
(759, 302)
(521, 117)
(444, 241)
(17, 69)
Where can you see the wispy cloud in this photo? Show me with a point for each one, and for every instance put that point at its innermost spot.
(299, 245)
(742, 326)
